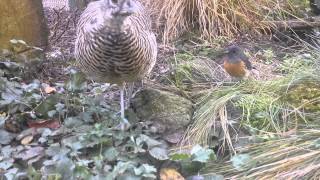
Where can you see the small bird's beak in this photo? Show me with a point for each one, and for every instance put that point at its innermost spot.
(225, 51)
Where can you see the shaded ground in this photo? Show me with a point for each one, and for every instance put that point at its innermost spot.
(61, 124)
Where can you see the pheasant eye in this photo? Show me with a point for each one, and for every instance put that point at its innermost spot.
(114, 1)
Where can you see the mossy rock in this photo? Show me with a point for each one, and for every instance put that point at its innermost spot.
(304, 95)
(169, 111)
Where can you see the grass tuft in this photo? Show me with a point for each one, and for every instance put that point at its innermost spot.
(268, 107)
(213, 18)
(294, 157)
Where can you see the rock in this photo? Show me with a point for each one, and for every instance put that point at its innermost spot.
(168, 112)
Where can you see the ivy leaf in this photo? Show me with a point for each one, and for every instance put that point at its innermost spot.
(51, 113)
(65, 167)
(77, 82)
(242, 162)
(111, 154)
(73, 142)
(180, 156)
(159, 153)
(11, 95)
(55, 149)
(146, 170)
(62, 167)
(48, 104)
(149, 141)
(73, 122)
(201, 154)
(86, 116)
(59, 107)
(35, 85)
(120, 168)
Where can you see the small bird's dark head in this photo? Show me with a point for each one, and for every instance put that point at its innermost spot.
(233, 51)
(120, 8)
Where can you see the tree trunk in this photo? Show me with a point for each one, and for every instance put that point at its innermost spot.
(24, 20)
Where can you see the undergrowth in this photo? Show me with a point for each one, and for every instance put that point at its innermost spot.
(216, 18)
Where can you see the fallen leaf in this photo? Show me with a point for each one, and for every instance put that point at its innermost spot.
(26, 132)
(12, 125)
(31, 153)
(6, 151)
(49, 89)
(170, 174)
(6, 137)
(53, 124)
(27, 140)
(11, 173)
(6, 164)
(57, 149)
(173, 138)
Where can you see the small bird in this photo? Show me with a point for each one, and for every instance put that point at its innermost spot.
(115, 43)
(236, 63)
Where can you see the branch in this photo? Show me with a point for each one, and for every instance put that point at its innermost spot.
(296, 24)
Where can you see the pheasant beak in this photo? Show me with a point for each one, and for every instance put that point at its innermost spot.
(127, 7)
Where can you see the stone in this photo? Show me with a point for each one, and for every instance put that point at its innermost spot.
(167, 111)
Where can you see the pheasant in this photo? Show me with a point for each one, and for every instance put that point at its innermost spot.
(115, 43)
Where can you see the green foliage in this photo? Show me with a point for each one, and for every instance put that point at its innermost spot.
(196, 159)
(88, 150)
(77, 82)
(291, 64)
(268, 55)
(261, 112)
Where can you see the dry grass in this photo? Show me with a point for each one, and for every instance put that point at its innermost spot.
(293, 157)
(212, 18)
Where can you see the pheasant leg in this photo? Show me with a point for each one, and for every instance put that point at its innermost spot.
(124, 125)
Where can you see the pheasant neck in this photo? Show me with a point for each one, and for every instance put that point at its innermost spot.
(116, 23)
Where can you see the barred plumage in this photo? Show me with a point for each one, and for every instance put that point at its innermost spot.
(114, 41)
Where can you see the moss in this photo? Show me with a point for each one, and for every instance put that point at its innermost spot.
(170, 110)
(305, 95)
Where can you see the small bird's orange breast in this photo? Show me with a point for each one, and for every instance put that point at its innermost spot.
(235, 69)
